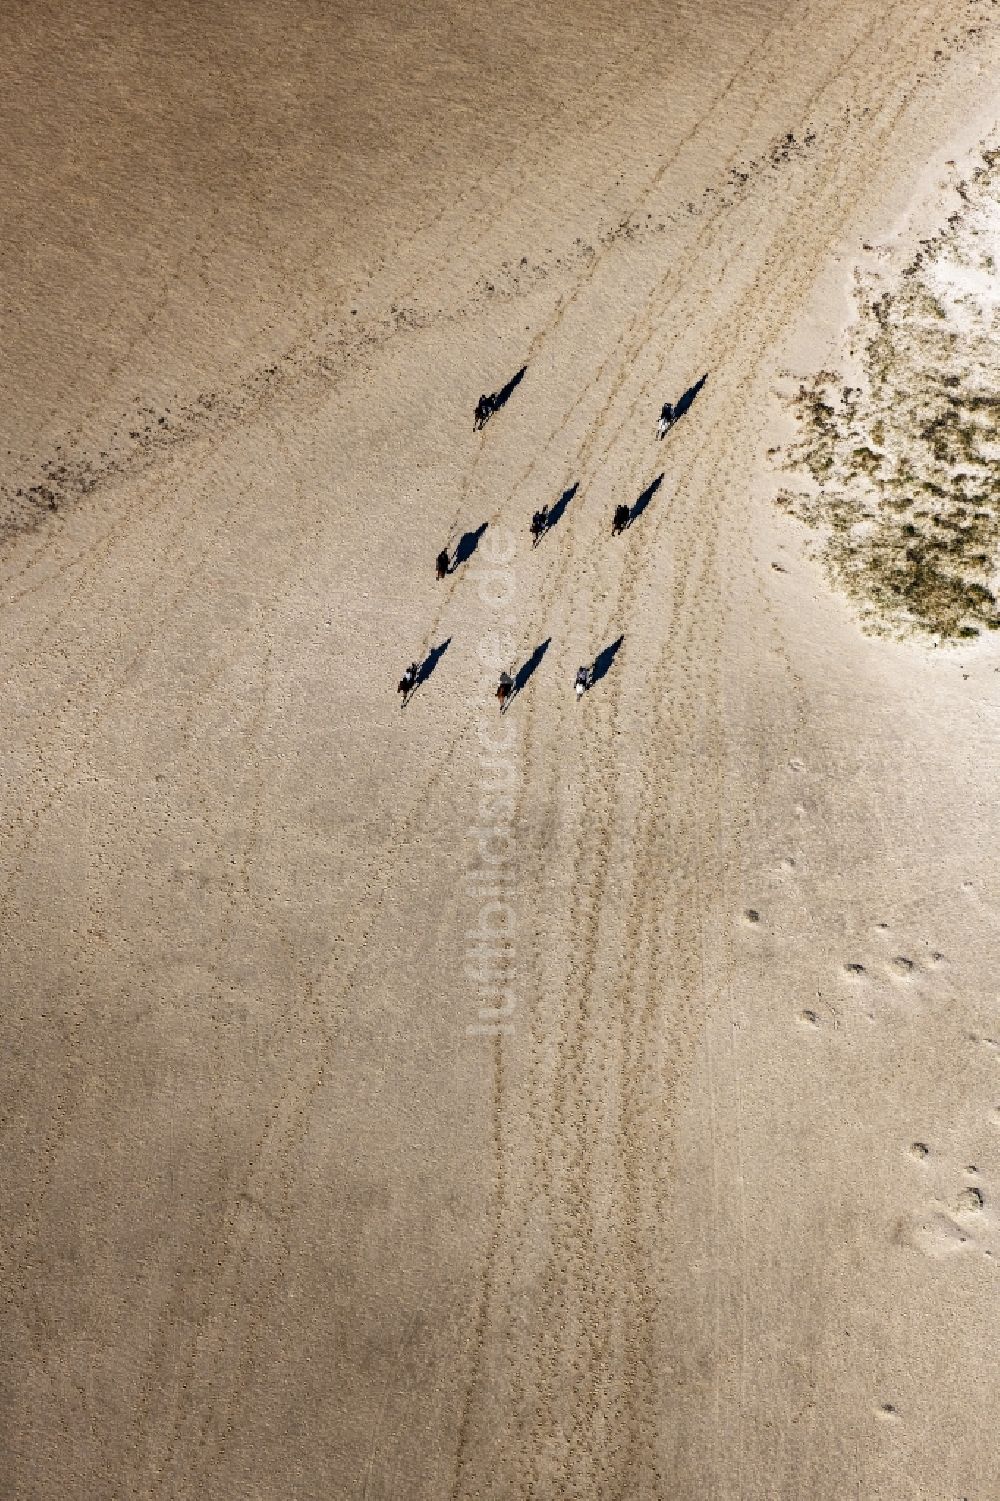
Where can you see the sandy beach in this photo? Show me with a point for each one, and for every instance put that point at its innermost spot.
(597, 1101)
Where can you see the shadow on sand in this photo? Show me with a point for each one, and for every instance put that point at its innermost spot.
(429, 663)
(558, 511)
(500, 398)
(683, 403)
(528, 668)
(603, 661)
(643, 500)
(467, 545)
(489, 405)
(431, 660)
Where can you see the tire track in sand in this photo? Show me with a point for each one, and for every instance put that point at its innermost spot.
(781, 301)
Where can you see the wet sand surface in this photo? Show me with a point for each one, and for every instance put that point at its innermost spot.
(598, 1101)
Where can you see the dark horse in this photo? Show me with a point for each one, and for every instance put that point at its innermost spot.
(488, 405)
(539, 525)
(442, 563)
(417, 673)
(504, 690)
(620, 519)
(673, 411)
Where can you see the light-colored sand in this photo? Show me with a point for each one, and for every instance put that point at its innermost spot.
(715, 1215)
(895, 463)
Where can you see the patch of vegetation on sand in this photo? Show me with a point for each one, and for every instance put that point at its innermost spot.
(901, 473)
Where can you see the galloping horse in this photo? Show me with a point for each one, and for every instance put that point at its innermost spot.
(668, 417)
(539, 525)
(408, 681)
(442, 563)
(484, 411)
(504, 690)
(620, 519)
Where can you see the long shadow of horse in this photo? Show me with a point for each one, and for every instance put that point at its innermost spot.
(467, 545)
(500, 398)
(429, 663)
(558, 511)
(528, 669)
(684, 403)
(603, 661)
(643, 500)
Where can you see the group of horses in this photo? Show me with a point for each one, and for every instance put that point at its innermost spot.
(541, 520)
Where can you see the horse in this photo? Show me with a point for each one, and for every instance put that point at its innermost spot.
(620, 519)
(666, 421)
(582, 682)
(539, 525)
(484, 411)
(408, 681)
(505, 689)
(442, 563)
